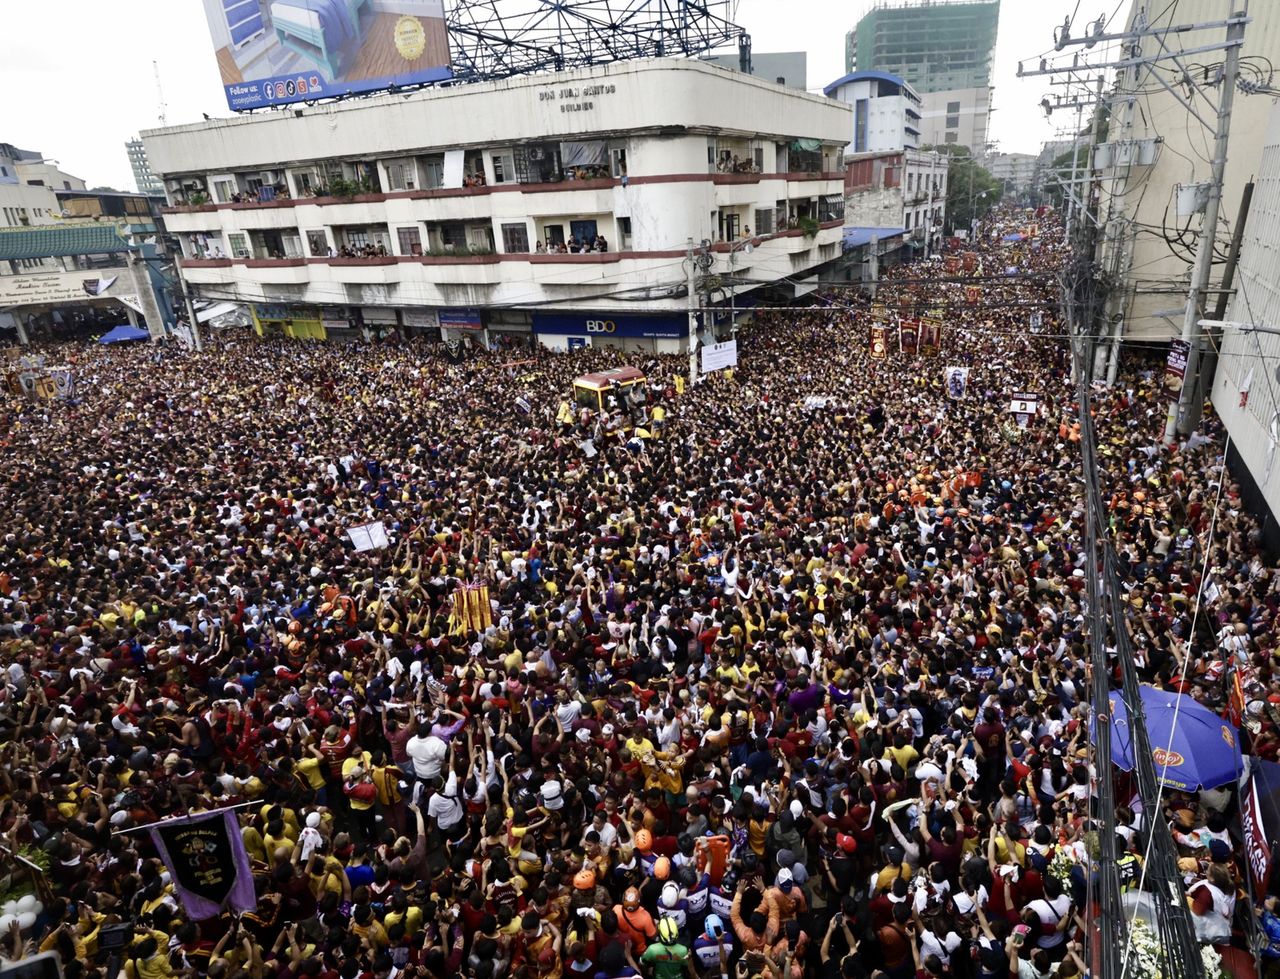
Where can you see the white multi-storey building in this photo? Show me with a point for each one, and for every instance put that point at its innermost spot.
(459, 207)
(884, 111)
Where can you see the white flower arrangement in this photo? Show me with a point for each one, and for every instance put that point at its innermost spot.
(1145, 954)
(1061, 866)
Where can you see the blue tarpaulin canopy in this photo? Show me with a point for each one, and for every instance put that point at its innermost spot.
(124, 332)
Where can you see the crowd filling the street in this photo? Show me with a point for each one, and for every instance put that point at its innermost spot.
(781, 674)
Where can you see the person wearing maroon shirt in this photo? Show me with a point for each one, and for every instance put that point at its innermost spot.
(988, 739)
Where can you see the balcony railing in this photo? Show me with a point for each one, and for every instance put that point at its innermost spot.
(482, 191)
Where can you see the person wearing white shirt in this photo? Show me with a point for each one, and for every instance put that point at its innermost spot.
(427, 753)
(446, 807)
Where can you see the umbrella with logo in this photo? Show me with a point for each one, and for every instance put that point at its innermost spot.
(1191, 746)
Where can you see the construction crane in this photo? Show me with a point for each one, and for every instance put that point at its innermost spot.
(159, 94)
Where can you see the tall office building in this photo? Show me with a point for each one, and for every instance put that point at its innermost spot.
(147, 182)
(945, 49)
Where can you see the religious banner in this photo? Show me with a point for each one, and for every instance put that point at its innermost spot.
(931, 335)
(957, 381)
(879, 313)
(879, 342)
(471, 609)
(952, 264)
(969, 262)
(973, 294)
(1175, 366)
(909, 336)
(1035, 321)
(1257, 849)
(210, 868)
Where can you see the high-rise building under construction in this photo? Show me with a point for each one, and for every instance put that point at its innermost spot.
(945, 49)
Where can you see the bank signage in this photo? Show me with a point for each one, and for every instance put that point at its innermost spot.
(461, 319)
(605, 325)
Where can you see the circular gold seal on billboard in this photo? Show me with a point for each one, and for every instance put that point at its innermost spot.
(411, 39)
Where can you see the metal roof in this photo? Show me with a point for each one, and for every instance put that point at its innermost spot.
(55, 241)
(855, 237)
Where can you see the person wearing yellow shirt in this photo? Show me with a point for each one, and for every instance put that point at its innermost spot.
(364, 924)
(402, 912)
(902, 752)
(361, 793)
(149, 959)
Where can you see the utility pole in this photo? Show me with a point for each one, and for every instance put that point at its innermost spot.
(1180, 412)
(191, 311)
(691, 270)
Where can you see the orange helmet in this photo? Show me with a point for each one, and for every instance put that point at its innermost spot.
(662, 868)
(584, 880)
(644, 841)
(631, 899)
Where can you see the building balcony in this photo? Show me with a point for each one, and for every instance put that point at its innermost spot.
(560, 186)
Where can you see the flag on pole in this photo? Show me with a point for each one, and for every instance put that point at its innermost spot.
(209, 865)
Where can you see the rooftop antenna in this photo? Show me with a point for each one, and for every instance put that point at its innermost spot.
(159, 94)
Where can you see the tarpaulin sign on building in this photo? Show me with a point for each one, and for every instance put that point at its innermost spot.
(208, 861)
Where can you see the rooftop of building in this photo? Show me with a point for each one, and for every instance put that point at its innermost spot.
(880, 76)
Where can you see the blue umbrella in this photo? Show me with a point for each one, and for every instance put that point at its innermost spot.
(1200, 750)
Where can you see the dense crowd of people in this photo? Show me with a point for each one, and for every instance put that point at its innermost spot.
(796, 688)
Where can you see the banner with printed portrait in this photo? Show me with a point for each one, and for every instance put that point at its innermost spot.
(931, 336)
(909, 337)
(957, 379)
(879, 342)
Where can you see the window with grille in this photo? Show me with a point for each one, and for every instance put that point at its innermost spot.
(239, 245)
(396, 177)
(764, 220)
(433, 172)
(831, 208)
(515, 238)
(410, 241)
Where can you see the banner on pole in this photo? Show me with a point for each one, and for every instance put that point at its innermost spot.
(909, 336)
(957, 381)
(1175, 367)
(205, 855)
(879, 343)
(930, 335)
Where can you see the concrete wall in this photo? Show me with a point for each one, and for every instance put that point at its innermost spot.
(974, 118)
(1156, 277)
(655, 95)
(1248, 357)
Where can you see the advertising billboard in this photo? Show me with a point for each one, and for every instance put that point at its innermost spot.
(272, 52)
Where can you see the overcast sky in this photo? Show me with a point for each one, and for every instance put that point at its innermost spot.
(78, 78)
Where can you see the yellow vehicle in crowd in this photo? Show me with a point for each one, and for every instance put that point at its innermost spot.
(612, 390)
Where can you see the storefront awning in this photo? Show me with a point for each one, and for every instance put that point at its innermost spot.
(214, 311)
